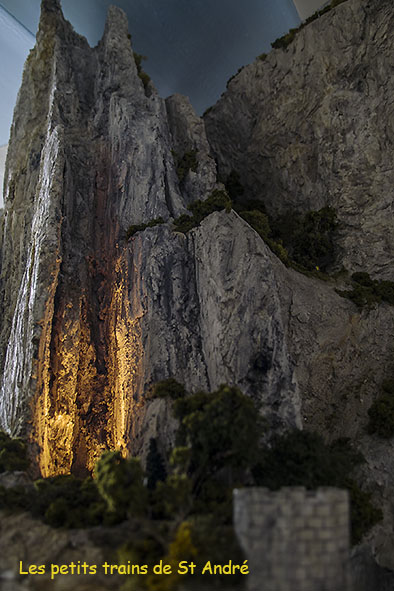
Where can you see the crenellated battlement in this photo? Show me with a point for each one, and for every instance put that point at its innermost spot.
(294, 539)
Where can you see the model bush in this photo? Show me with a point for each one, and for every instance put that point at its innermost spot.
(141, 227)
(367, 292)
(12, 454)
(300, 458)
(381, 412)
(217, 201)
(188, 161)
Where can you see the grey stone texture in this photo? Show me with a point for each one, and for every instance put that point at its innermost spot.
(312, 126)
(294, 539)
(89, 319)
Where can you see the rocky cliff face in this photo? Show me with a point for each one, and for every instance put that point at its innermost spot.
(89, 318)
(312, 126)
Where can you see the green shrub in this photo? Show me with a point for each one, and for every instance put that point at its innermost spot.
(367, 292)
(234, 75)
(217, 201)
(258, 221)
(66, 501)
(155, 468)
(13, 500)
(309, 238)
(12, 454)
(185, 163)
(141, 227)
(234, 187)
(300, 458)
(120, 483)
(144, 77)
(284, 41)
(363, 513)
(204, 428)
(381, 412)
(168, 388)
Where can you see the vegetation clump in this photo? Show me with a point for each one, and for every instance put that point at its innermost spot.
(168, 388)
(155, 467)
(61, 501)
(303, 241)
(12, 454)
(67, 501)
(120, 483)
(144, 77)
(217, 201)
(381, 413)
(182, 505)
(309, 238)
(141, 227)
(284, 41)
(367, 292)
(185, 163)
(300, 458)
(234, 75)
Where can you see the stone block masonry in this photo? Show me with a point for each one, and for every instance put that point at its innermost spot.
(294, 539)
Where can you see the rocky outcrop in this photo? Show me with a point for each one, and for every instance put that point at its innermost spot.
(311, 126)
(90, 317)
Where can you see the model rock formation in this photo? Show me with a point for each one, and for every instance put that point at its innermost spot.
(91, 315)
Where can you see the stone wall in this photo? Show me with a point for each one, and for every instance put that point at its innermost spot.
(294, 539)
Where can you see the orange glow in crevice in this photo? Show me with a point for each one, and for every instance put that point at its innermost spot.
(88, 372)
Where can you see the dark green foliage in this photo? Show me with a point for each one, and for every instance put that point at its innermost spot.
(15, 499)
(155, 468)
(284, 42)
(12, 454)
(169, 388)
(217, 201)
(204, 428)
(302, 241)
(367, 292)
(210, 537)
(317, 14)
(259, 222)
(120, 483)
(144, 77)
(234, 187)
(381, 413)
(308, 238)
(66, 501)
(262, 57)
(363, 513)
(141, 227)
(185, 163)
(234, 75)
(300, 458)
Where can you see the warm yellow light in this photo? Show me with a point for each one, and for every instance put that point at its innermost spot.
(93, 374)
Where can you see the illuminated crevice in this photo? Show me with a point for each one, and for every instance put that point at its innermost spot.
(90, 354)
(81, 411)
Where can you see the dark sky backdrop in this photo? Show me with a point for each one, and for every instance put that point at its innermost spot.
(193, 46)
